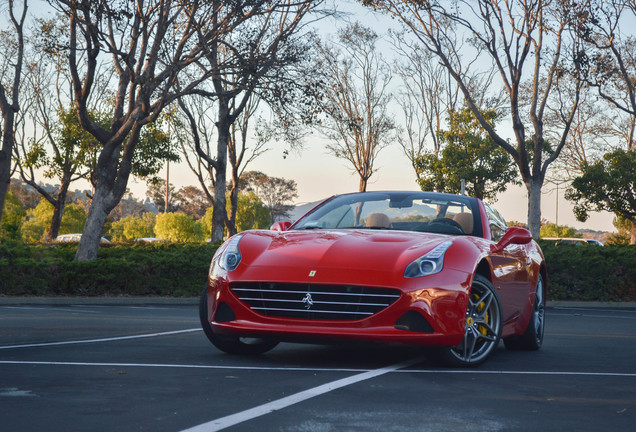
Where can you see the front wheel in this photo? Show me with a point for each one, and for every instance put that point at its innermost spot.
(231, 344)
(482, 330)
(532, 339)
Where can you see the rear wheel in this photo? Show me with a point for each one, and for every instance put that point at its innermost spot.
(231, 344)
(532, 339)
(482, 327)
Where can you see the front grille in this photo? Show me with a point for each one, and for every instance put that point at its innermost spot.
(314, 302)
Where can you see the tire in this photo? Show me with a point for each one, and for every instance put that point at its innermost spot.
(532, 338)
(484, 321)
(231, 344)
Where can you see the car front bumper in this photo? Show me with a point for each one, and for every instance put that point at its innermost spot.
(431, 310)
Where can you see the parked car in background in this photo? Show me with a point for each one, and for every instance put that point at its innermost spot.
(594, 242)
(75, 238)
(422, 268)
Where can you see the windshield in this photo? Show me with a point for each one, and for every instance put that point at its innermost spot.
(405, 211)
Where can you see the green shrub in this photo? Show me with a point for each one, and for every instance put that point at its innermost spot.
(12, 217)
(133, 227)
(591, 273)
(38, 220)
(588, 272)
(178, 227)
(156, 269)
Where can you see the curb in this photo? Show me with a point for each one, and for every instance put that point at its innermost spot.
(590, 304)
(99, 301)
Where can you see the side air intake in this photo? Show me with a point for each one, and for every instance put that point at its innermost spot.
(413, 321)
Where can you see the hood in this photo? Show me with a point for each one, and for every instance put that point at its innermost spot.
(338, 249)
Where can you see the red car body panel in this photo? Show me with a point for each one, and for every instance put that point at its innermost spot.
(376, 258)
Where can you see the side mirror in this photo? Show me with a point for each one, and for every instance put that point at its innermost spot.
(513, 235)
(280, 226)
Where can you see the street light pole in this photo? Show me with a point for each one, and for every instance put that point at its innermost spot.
(165, 209)
(557, 184)
(557, 206)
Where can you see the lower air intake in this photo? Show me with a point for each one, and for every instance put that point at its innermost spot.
(413, 321)
(314, 302)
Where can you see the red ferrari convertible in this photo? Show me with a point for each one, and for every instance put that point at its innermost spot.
(431, 269)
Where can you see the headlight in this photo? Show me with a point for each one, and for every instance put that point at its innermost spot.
(230, 256)
(429, 264)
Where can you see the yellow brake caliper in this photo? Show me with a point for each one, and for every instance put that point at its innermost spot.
(470, 320)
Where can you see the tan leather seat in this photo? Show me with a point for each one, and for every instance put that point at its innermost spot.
(378, 220)
(465, 220)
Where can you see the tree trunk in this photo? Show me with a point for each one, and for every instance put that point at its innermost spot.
(91, 236)
(112, 173)
(219, 213)
(534, 207)
(58, 208)
(231, 220)
(632, 237)
(56, 220)
(234, 191)
(363, 184)
(9, 106)
(5, 154)
(5, 178)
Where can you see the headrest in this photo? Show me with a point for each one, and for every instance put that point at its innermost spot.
(378, 220)
(465, 220)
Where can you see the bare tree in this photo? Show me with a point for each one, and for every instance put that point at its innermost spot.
(159, 50)
(277, 193)
(55, 144)
(530, 44)
(156, 193)
(200, 115)
(590, 134)
(255, 61)
(200, 136)
(612, 57)
(607, 183)
(355, 99)
(429, 93)
(11, 74)
(425, 98)
(192, 201)
(240, 155)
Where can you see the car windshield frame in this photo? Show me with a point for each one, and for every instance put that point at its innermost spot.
(396, 211)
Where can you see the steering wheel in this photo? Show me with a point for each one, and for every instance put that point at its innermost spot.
(448, 221)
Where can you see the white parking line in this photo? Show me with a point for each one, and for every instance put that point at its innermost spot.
(318, 369)
(240, 417)
(57, 309)
(183, 366)
(100, 340)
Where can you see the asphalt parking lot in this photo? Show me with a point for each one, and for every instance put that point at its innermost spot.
(150, 368)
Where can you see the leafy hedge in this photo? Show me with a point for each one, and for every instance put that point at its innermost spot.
(590, 273)
(156, 269)
(179, 270)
